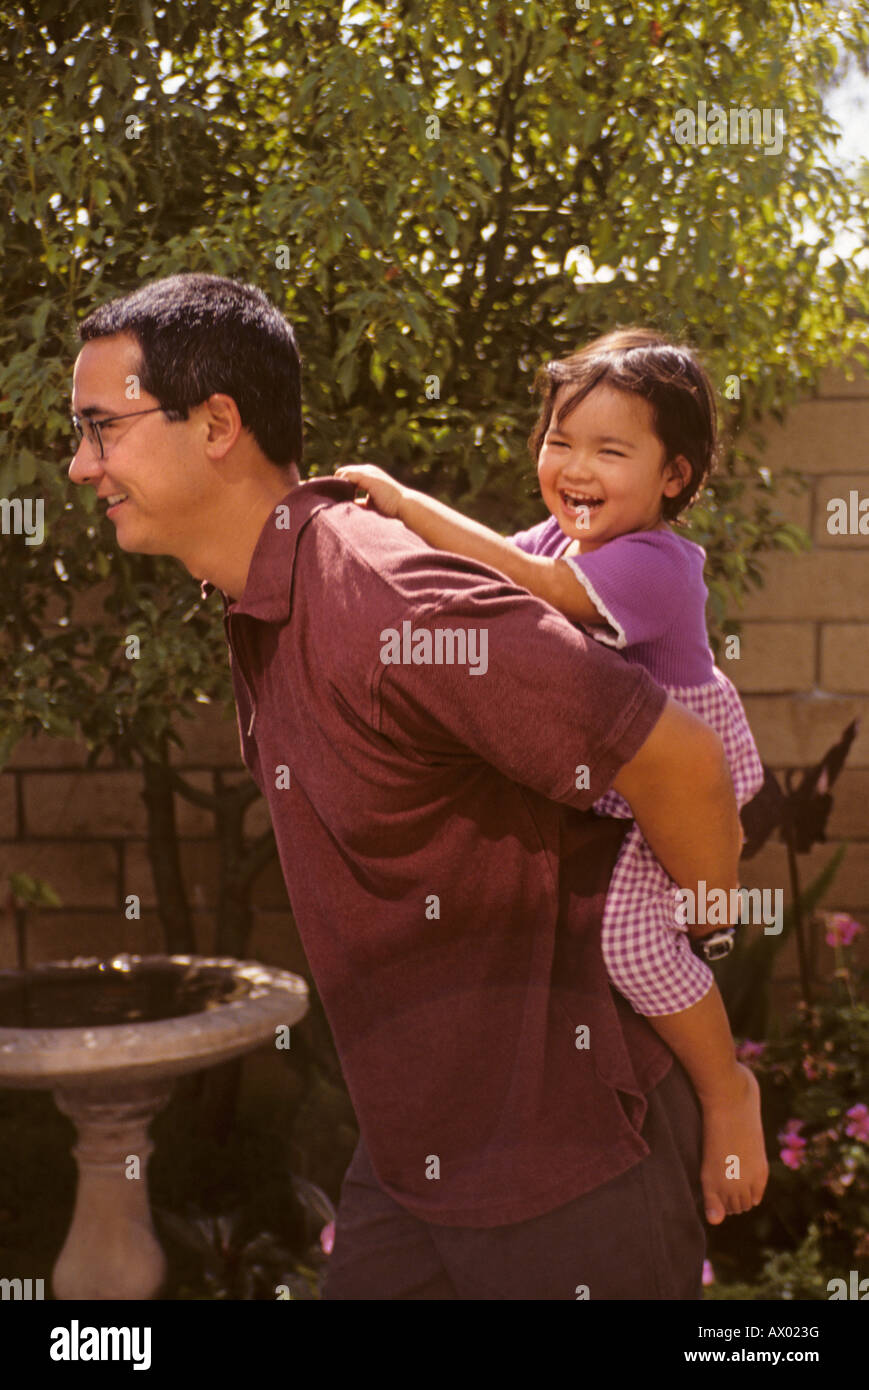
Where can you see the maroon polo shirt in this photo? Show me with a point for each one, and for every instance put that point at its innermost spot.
(445, 872)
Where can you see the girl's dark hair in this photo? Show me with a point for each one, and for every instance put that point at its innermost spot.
(201, 334)
(667, 375)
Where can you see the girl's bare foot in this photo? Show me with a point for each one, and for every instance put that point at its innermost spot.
(735, 1169)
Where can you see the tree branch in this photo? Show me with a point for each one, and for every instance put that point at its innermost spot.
(255, 859)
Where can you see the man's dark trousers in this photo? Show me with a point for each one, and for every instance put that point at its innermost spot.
(640, 1236)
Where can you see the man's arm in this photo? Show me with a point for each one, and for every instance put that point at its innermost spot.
(681, 793)
(679, 788)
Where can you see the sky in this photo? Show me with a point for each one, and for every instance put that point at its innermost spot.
(848, 104)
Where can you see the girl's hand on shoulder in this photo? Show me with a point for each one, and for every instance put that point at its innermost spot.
(385, 493)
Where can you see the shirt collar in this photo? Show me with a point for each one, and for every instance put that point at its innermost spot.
(268, 591)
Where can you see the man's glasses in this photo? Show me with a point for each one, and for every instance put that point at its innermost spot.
(91, 429)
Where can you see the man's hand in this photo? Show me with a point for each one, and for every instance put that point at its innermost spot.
(385, 492)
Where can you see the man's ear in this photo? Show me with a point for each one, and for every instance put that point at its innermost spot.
(223, 424)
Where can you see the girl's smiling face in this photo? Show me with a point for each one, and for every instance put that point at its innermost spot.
(603, 469)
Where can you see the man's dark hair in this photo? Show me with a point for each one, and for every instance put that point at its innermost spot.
(201, 334)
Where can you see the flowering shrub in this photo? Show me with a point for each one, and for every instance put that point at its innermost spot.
(813, 1079)
(790, 1275)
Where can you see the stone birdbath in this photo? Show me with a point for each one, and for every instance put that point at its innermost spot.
(108, 1037)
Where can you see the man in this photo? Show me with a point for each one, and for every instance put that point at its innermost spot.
(429, 739)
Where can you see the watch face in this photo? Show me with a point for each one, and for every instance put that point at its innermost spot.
(716, 948)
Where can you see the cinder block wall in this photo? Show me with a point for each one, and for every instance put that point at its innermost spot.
(803, 668)
(84, 832)
(803, 671)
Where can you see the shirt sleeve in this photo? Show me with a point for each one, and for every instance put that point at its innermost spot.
(637, 583)
(530, 540)
(543, 703)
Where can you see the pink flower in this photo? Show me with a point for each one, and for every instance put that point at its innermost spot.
(749, 1050)
(792, 1142)
(791, 1158)
(791, 1132)
(859, 1126)
(708, 1272)
(837, 1181)
(810, 1070)
(841, 929)
(327, 1238)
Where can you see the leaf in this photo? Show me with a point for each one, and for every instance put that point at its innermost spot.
(9, 738)
(592, 127)
(40, 318)
(420, 328)
(360, 214)
(441, 186)
(120, 72)
(348, 374)
(762, 815)
(488, 168)
(450, 227)
(334, 240)
(22, 886)
(33, 890)
(377, 370)
(807, 807)
(744, 976)
(313, 1199)
(45, 895)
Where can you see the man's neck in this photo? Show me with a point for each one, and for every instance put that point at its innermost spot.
(224, 556)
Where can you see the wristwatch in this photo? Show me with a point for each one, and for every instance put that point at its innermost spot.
(715, 945)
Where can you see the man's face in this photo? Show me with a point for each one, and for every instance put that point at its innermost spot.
(155, 464)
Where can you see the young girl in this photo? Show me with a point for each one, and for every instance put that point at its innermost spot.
(625, 438)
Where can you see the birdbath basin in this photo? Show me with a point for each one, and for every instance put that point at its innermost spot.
(108, 1037)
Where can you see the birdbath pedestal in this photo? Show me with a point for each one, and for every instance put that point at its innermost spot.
(108, 1038)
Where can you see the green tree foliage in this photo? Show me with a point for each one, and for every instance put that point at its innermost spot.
(411, 181)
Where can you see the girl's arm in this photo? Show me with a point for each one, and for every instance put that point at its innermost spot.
(445, 529)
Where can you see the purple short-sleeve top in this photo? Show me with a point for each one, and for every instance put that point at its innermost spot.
(649, 587)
